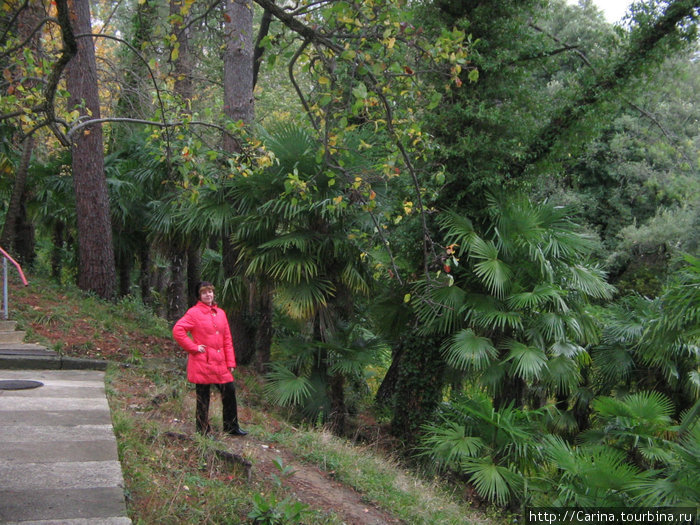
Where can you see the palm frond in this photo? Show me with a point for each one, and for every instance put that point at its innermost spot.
(448, 444)
(491, 481)
(285, 388)
(591, 281)
(497, 319)
(562, 373)
(493, 375)
(654, 408)
(528, 361)
(552, 326)
(294, 147)
(468, 351)
(492, 271)
(302, 300)
(566, 348)
(354, 279)
(283, 208)
(459, 231)
(441, 310)
(541, 294)
(300, 240)
(293, 268)
(614, 363)
(626, 320)
(590, 473)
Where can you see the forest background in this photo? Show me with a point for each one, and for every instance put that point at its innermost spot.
(481, 215)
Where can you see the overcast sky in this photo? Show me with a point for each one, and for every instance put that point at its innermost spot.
(613, 9)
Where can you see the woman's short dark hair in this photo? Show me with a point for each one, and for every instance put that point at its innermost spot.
(203, 285)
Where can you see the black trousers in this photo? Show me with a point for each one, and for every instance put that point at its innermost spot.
(228, 400)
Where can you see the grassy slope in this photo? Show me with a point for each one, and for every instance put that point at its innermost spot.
(173, 476)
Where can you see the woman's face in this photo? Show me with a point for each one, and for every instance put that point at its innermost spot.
(207, 296)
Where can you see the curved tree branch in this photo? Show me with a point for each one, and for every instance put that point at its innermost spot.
(24, 43)
(635, 59)
(641, 110)
(70, 49)
(290, 68)
(301, 29)
(148, 67)
(258, 52)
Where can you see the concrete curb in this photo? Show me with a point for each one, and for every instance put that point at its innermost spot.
(23, 356)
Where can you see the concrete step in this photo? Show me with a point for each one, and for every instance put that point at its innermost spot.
(59, 460)
(8, 326)
(12, 337)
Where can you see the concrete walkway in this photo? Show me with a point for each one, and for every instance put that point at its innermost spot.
(58, 453)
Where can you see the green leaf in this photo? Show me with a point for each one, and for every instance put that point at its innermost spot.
(360, 91)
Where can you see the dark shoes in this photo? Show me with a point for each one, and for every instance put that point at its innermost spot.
(236, 431)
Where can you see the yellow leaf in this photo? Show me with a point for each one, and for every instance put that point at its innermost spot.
(407, 298)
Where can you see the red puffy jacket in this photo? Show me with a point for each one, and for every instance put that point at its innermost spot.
(207, 326)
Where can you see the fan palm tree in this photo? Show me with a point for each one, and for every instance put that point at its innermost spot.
(585, 476)
(498, 450)
(517, 300)
(637, 424)
(652, 344)
(290, 230)
(54, 207)
(677, 483)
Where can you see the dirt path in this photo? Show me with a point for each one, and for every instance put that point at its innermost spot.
(309, 484)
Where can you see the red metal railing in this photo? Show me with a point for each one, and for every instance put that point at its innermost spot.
(6, 257)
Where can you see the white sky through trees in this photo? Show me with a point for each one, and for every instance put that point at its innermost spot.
(614, 10)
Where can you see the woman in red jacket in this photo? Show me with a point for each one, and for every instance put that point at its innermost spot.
(211, 359)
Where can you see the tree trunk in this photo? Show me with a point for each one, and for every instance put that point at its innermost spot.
(145, 274)
(264, 332)
(419, 385)
(57, 250)
(177, 294)
(9, 232)
(26, 23)
(194, 273)
(238, 106)
(243, 340)
(336, 394)
(125, 264)
(183, 63)
(263, 31)
(25, 241)
(182, 73)
(97, 271)
(387, 390)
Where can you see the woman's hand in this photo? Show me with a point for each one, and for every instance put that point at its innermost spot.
(201, 349)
